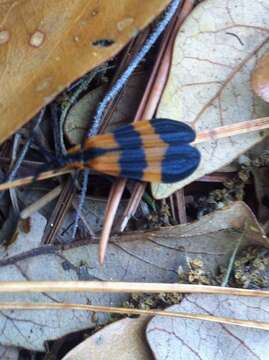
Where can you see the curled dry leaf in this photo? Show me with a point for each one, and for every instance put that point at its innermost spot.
(171, 338)
(122, 340)
(260, 78)
(209, 83)
(80, 114)
(45, 45)
(152, 256)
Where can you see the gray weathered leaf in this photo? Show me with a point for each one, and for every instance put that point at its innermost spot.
(209, 83)
(152, 256)
(26, 241)
(171, 338)
(9, 353)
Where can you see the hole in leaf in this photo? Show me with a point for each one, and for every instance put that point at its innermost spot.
(103, 42)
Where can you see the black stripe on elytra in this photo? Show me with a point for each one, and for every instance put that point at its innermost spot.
(83, 156)
(172, 131)
(179, 162)
(132, 160)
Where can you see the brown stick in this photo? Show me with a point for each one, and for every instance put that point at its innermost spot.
(118, 310)
(111, 209)
(40, 203)
(181, 207)
(29, 179)
(239, 128)
(131, 207)
(121, 287)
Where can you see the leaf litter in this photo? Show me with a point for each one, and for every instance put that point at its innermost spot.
(148, 256)
(197, 252)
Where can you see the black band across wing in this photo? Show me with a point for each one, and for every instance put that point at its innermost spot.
(132, 161)
(172, 131)
(177, 162)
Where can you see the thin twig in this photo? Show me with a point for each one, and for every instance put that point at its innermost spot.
(12, 192)
(132, 205)
(26, 147)
(56, 218)
(29, 179)
(239, 128)
(81, 202)
(111, 210)
(181, 208)
(217, 177)
(56, 129)
(231, 261)
(83, 218)
(40, 203)
(254, 324)
(122, 287)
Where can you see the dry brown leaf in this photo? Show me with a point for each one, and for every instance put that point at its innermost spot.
(209, 83)
(122, 340)
(46, 44)
(171, 338)
(260, 78)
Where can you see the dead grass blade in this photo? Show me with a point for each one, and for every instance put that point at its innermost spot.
(243, 127)
(118, 310)
(29, 179)
(122, 287)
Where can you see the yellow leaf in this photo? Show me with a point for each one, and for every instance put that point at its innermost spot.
(260, 78)
(45, 45)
